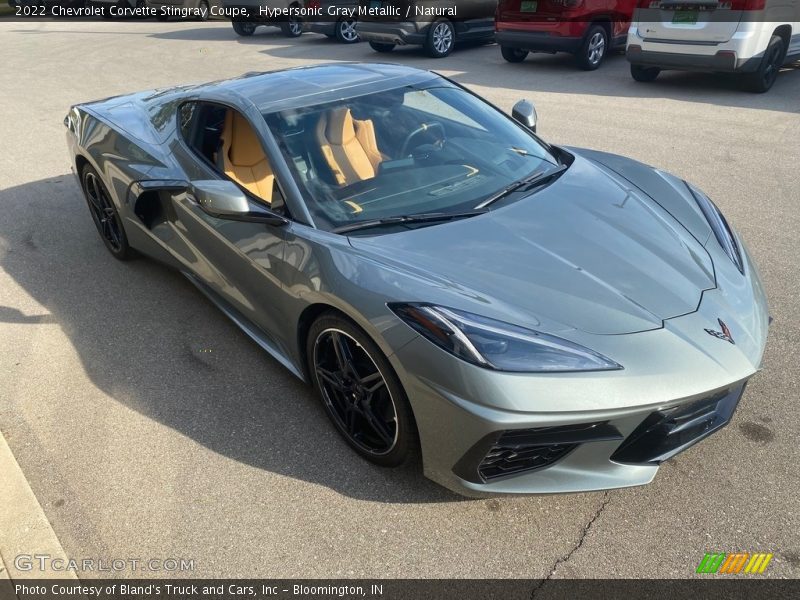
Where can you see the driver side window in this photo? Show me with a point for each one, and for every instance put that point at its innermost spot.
(226, 140)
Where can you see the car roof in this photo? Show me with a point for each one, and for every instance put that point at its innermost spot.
(304, 86)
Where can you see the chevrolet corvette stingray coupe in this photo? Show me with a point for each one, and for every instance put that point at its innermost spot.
(522, 316)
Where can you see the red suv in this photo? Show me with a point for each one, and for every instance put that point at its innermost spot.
(585, 28)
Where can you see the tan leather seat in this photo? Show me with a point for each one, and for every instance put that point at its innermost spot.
(348, 145)
(243, 158)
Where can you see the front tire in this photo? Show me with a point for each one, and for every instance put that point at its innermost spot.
(360, 391)
(593, 49)
(244, 28)
(513, 55)
(767, 73)
(441, 39)
(644, 74)
(381, 47)
(104, 214)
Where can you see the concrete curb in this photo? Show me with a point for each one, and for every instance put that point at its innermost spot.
(24, 528)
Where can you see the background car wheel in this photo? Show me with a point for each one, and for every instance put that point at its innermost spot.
(361, 392)
(346, 31)
(513, 55)
(381, 47)
(203, 6)
(243, 28)
(764, 78)
(292, 28)
(593, 49)
(441, 38)
(644, 74)
(105, 215)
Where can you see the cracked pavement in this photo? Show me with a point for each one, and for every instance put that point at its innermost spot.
(149, 426)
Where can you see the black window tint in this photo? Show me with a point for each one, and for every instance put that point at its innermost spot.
(201, 127)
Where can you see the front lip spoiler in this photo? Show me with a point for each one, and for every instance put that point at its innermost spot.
(665, 433)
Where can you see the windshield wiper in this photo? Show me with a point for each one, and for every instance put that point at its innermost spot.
(536, 179)
(404, 219)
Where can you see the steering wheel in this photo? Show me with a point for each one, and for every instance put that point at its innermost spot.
(424, 128)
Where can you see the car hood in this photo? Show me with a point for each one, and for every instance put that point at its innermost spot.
(590, 252)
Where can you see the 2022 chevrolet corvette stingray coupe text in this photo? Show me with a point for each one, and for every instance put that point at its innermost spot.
(529, 318)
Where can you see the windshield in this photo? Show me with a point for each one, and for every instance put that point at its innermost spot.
(407, 151)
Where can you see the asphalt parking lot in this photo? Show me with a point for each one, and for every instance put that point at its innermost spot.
(149, 426)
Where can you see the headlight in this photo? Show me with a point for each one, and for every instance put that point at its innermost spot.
(719, 226)
(497, 345)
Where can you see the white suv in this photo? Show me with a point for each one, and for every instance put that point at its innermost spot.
(751, 37)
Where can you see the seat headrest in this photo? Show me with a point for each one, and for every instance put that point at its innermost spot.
(340, 129)
(244, 148)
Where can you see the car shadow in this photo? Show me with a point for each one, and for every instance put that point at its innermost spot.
(149, 340)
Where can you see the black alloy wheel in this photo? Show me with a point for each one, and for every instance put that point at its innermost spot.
(105, 215)
(360, 392)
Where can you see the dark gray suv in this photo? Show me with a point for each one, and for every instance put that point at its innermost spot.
(437, 25)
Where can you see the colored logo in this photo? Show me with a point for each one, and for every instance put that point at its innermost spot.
(737, 562)
(725, 334)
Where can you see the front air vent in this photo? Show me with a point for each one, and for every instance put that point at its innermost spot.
(515, 451)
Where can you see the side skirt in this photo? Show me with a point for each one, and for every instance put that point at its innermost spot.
(250, 328)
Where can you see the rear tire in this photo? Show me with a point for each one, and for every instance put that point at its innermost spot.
(395, 441)
(441, 39)
(203, 5)
(105, 215)
(767, 73)
(644, 74)
(381, 47)
(292, 28)
(593, 49)
(513, 55)
(346, 31)
(244, 28)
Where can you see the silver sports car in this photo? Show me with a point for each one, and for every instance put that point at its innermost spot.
(525, 317)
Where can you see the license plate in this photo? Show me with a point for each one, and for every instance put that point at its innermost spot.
(528, 5)
(685, 17)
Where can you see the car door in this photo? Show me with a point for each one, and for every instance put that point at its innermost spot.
(242, 263)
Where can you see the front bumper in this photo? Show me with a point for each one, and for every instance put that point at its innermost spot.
(400, 33)
(672, 376)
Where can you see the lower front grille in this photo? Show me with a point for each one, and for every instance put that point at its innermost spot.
(665, 433)
(505, 458)
(516, 451)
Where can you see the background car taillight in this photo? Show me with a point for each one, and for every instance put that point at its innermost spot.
(313, 4)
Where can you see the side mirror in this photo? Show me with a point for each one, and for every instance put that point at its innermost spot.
(224, 200)
(525, 113)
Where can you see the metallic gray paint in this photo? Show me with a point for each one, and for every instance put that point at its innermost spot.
(615, 256)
